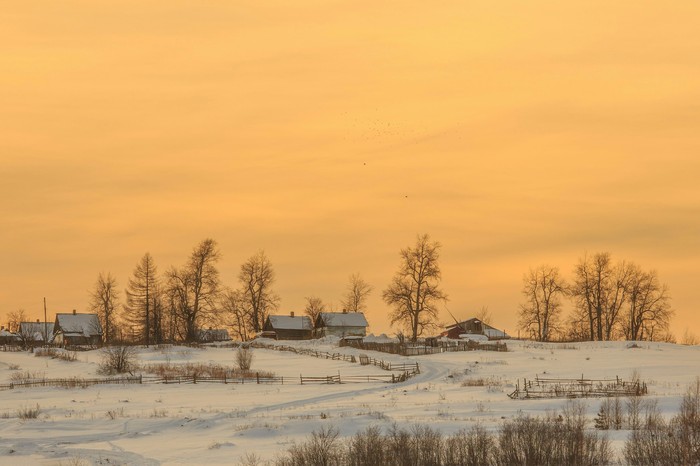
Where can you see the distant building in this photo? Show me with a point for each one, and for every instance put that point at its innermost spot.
(77, 330)
(473, 326)
(340, 324)
(35, 333)
(7, 337)
(213, 334)
(291, 327)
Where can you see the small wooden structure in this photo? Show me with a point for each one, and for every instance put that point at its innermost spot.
(474, 326)
(577, 388)
(291, 327)
(340, 324)
(77, 330)
(213, 334)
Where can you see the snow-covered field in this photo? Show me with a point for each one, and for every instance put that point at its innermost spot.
(218, 424)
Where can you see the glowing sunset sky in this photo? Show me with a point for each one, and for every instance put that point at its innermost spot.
(330, 133)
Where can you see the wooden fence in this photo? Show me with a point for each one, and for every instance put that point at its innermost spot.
(306, 352)
(405, 349)
(577, 388)
(70, 382)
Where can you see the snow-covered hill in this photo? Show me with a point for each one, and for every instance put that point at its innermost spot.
(219, 423)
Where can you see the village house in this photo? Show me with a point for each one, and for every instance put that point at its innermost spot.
(291, 327)
(35, 333)
(340, 324)
(7, 337)
(77, 329)
(474, 326)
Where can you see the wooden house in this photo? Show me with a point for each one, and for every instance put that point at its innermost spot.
(340, 324)
(77, 330)
(474, 326)
(289, 327)
(35, 333)
(7, 337)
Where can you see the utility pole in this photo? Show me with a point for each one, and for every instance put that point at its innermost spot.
(46, 326)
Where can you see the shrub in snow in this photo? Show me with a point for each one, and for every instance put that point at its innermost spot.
(117, 360)
(244, 358)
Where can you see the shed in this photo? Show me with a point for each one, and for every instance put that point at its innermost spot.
(340, 324)
(289, 327)
(213, 334)
(77, 329)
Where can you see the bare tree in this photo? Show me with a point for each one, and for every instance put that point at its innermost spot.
(358, 291)
(256, 278)
(599, 291)
(143, 301)
(648, 306)
(414, 293)
(104, 301)
(314, 306)
(484, 315)
(235, 313)
(543, 288)
(15, 318)
(194, 290)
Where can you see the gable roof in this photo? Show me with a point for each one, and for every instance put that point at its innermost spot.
(290, 323)
(36, 330)
(342, 319)
(487, 330)
(78, 324)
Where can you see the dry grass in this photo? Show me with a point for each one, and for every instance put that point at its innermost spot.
(26, 412)
(56, 353)
(200, 370)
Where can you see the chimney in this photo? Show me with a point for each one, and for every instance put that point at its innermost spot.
(291, 314)
(73, 311)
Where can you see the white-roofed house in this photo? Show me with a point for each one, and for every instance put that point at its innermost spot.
(289, 327)
(340, 324)
(35, 333)
(77, 329)
(7, 337)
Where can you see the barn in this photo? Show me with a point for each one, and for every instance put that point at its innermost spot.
(473, 326)
(291, 327)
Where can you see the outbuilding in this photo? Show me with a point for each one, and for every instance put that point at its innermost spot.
(340, 324)
(291, 327)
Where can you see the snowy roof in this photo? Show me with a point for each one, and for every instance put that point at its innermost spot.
(6, 333)
(79, 324)
(343, 319)
(36, 330)
(290, 323)
(495, 333)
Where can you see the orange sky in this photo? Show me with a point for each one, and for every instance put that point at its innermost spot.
(330, 133)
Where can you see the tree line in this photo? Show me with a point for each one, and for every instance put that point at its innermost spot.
(610, 300)
(177, 304)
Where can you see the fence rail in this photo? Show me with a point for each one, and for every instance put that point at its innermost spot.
(404, 349)
(70, 382)
(577, 388)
